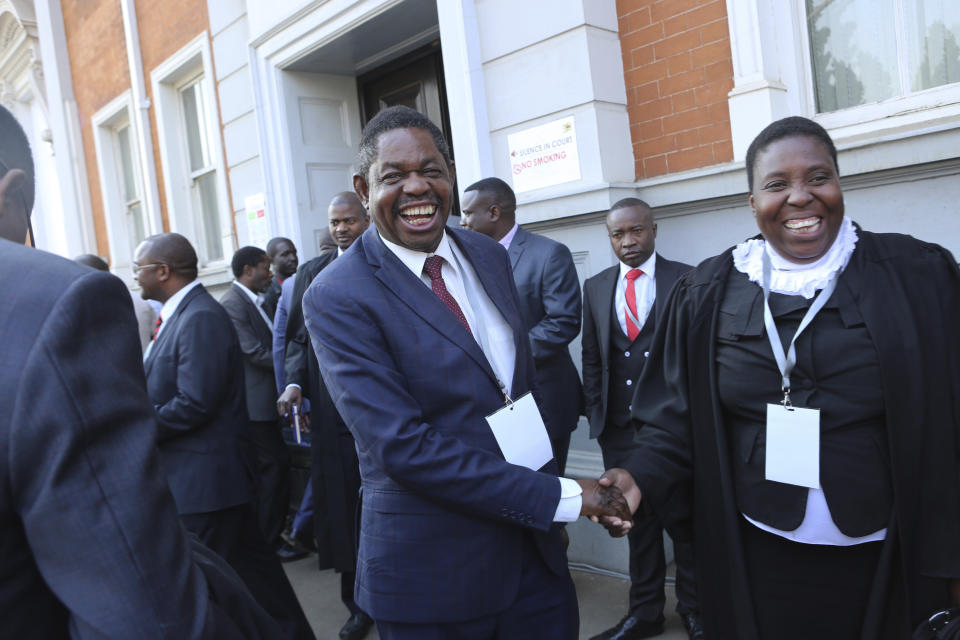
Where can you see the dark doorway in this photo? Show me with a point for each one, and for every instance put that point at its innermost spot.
(416, 81)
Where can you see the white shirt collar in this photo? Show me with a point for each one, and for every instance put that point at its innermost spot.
(414, 260)
(649, 267)
(339, 251)
(789, 277)
(507, 239)
(250, 294)
(170, 306)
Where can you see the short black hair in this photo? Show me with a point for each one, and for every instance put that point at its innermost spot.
(15, 154)
(246, 257)
(175, 251)
(790, 127)
(502, 194)
(274, 245)
(623, 203)
(398, 117)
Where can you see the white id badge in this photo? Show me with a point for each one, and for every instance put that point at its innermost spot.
(793, 446)
(521, 434)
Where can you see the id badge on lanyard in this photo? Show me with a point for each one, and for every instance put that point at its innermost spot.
(793, 433)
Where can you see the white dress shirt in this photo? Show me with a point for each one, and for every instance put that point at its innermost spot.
(645, 287)
(507, 239)
(489, 328)
(167, 310)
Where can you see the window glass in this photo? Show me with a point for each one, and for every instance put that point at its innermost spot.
(135, 229)
(933, 26)
(195, 122)
(206, 191)
(854, 52)
(865, 51)
(126, 163)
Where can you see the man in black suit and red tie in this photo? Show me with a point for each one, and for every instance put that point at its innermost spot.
(195, 380)
(620, 309)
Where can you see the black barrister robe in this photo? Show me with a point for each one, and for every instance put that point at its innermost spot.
(908, 293)
(334, 469)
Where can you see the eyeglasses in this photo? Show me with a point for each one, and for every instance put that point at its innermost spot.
(137, 268)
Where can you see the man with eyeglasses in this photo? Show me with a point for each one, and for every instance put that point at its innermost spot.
(194, 368)
(90, 542)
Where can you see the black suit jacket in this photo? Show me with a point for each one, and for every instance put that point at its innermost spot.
(550, 304)
(83, 501)
(195, 381)
(271, 297)
(598, 293)
(256, 343)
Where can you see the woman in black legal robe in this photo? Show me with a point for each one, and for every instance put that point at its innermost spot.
(875, 549)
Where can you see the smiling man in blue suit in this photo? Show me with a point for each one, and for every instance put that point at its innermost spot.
(419, 337)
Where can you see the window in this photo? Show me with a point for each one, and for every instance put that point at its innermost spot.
(126, 204)
(868, 51)
(129, 183)
(203, 173)
(190, 152)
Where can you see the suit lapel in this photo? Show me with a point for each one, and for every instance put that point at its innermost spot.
(252, 312)
(412, 292)
(607, 286)
(170, 327)
(516, 247)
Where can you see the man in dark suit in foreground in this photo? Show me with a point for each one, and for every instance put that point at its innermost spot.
(620, 310)
(194, 370)
(334, 473)
(90, 542)
(419, 337)
(269, 457)
(549, 302)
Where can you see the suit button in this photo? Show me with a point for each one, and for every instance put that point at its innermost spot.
(646, 354)
(626, 354)
(629, 382)
(629, 407)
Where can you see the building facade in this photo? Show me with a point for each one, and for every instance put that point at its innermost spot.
(232, 121)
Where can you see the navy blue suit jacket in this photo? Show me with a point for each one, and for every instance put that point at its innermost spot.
(550, 304)
(444, 515)
(90, 542)
(195, 381)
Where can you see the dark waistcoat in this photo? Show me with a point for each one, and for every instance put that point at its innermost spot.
(626, 362)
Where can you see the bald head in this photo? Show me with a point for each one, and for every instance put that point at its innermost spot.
(164, 264)
(348, 219)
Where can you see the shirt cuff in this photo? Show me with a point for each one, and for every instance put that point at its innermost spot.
(292, 384)
(570, 501)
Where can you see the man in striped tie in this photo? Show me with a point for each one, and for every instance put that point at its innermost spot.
(621, 306)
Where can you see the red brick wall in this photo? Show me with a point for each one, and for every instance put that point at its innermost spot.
(678, 71)
(165, 28)
(98, 68)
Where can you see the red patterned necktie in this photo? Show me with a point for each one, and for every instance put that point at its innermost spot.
(156, 328)
(432, 268)
(632, 329)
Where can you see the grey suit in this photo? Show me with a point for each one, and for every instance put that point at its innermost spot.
(550, 305)
(267, 451)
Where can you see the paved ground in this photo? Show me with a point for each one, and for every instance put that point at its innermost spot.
(602, 601)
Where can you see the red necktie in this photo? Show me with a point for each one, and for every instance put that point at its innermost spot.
(432, 268)
(632, 329)
(156, 328)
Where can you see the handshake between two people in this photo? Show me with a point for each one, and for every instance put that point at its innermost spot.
(611, 500)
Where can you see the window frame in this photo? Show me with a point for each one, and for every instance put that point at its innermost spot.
(117, 114)
(190, 65)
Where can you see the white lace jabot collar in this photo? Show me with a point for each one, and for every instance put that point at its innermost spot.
(797, 279)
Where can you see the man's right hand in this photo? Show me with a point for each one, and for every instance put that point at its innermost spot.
(606, 503)
(290, 397)
(621, 479)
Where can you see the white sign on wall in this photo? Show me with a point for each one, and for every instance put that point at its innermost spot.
(544, 156)
(258, 230)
